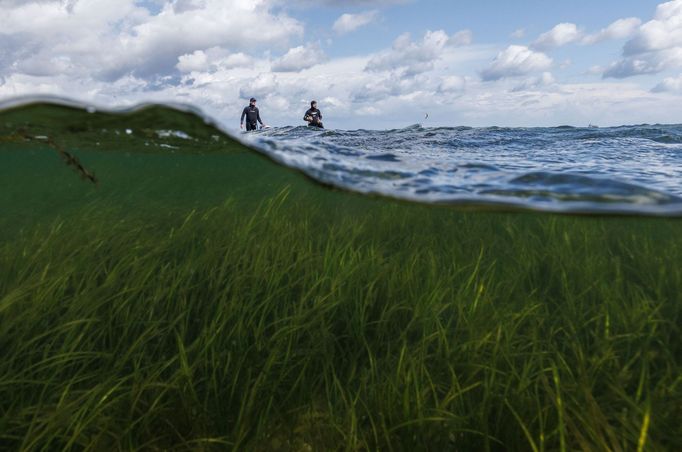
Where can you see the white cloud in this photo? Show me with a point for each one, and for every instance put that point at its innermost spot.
(656, 46)
(561, 34)
(452, 84)
(534, 83)
(579, 104)
(369, 111)
(569, 33)
(669, 84)
(234, 60)
(283, 97)
(647, 64)
(120, 53)
(417, 57)
(195, 61)
(663, 32)
(461, 38)
(516, 60)
(620, 29)
(108, 40)
(299, 58)
(278, 103)
(263, 85)
(386, 86)
(519, 33)
(211, 60)
(351, 22)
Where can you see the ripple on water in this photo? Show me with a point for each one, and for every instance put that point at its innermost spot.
(629, 169)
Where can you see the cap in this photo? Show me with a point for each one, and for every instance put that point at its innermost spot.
(253, 99)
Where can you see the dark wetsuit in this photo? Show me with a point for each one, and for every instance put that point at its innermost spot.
(252, 115)
(316, 116)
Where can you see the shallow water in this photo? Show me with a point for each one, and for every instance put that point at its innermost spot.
(622, 170)
(164, 286)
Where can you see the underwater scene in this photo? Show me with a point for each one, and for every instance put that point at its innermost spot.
(165, 285)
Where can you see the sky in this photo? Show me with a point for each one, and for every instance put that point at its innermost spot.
(372, 64)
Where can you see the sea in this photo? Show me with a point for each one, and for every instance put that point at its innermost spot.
(168, 284)
(630, 169)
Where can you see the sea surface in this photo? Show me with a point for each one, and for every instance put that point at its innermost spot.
(633, 169)
(629, 169)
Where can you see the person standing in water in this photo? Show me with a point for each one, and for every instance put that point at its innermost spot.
(313, 116)
(252, 116)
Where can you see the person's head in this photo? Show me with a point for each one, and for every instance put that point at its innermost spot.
(313, 104)
(252, 101)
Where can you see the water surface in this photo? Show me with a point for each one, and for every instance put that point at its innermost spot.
(628, 169)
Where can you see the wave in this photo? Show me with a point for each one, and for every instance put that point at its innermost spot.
(611, 170)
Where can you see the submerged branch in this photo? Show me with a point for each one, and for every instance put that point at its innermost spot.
(70, 159)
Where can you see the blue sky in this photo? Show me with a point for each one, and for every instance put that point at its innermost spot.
(377, 64)
(491, 21)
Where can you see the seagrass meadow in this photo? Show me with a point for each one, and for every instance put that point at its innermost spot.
(193, 295)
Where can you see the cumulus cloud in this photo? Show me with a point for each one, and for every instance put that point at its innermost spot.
(412, 57)
(108, 40)
(299, 58)
(120, 53)
(516, 60)
(569, 33)
(656, 45)
(519, 33)
(620, 29)
(234, 60)
(663, 32)
(381, 88)
(452, 84)
(648, 64)
(351, 22)
(561, 34)
(534, 83)
(211, 60)
(195, 61)
(669, 84)
(262, 86)
(461, 38)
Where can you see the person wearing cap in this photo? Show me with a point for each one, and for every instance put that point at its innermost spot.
(252, 116)
(313, 116)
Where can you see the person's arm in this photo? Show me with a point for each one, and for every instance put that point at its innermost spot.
(258, 116)
(319, 112)
(306, 115)
(241, 121)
